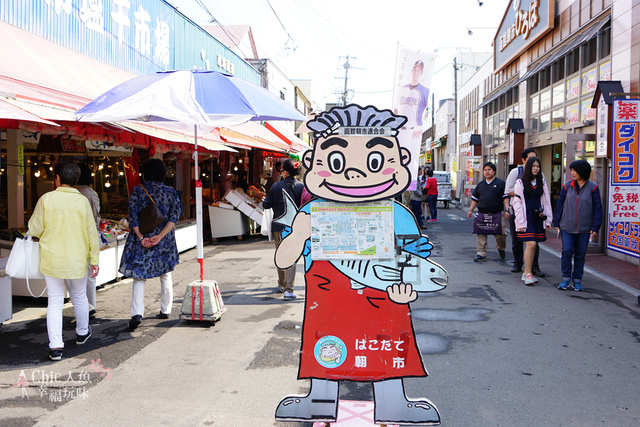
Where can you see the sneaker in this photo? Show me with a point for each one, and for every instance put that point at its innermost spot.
(564, 285)
(162, 315)
(529, 280)
(281, 288)
(55, 354)
(502, 253)
(524, 277)
(135, 321)
(81, 339)
(479, 258)
(289, 296)
(577, 287)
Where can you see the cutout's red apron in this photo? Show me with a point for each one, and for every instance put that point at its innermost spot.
(351, 334)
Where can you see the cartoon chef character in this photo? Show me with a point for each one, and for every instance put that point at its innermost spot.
(363, 303)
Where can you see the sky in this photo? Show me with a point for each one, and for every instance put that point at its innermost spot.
(311, 39)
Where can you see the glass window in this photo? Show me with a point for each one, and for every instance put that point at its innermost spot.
(496, 122)
(532, 84)
(545, 77)
(488, 139)
(496, 138)
(589, 52)
(572, 114)
(586, 112)
(544, 122)
(558, 95)
(545, 100)
(510, 114)
(605, 71)
(501, 134)
(589, 81)
(534, 103)
(502, 116)
(533, 125)
(489, 124)
(558, 70)
(557, 118)
(516, 110)
(604, 37)
(573, 88)
(573, 61)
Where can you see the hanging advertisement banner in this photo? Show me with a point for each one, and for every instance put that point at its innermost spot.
(410, 95)
(624, 203)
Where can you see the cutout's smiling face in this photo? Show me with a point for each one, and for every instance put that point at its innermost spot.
(357, 168)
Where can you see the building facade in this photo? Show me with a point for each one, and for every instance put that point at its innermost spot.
(549, 57)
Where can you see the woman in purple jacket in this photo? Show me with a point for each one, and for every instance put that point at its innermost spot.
(578, 218)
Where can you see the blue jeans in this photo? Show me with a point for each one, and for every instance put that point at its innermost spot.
(573, 246)
(432, 200)
(416, 208)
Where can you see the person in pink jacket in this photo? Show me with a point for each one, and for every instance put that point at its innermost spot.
(532, 209)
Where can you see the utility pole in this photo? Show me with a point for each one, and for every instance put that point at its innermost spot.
(455, 133)
(346, 66)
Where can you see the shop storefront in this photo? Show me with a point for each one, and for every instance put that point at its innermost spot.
(52, 75)
(549, 57)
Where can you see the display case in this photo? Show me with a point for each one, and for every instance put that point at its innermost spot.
(186, 235)
(227, 222)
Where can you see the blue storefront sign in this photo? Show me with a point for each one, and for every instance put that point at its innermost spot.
(139, 36)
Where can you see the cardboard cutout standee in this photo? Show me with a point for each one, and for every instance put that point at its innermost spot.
(365, 260)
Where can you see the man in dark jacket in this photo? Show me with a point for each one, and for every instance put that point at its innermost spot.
(490, 198)
(578, 218)
(275, 200)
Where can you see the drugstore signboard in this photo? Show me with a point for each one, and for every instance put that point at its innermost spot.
(623, 234)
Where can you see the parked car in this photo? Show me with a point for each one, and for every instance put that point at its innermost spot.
(444, 187)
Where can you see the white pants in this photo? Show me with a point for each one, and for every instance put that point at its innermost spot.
(78, 292)
(166, 295)
(91, 288)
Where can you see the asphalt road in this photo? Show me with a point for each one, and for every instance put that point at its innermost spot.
(499, 353)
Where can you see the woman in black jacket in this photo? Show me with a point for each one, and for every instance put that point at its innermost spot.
(276, 201)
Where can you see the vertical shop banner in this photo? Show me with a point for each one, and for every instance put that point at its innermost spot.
(624, 203)
(410, 98)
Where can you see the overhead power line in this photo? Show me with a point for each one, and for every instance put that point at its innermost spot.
(283, 27)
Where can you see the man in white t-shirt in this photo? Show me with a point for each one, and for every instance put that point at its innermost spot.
(516, 246)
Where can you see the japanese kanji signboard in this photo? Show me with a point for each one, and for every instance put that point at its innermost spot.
(624, 203)
(624, 221)
(625, 141)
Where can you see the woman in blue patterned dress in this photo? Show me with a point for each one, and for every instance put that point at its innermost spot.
(154, 254)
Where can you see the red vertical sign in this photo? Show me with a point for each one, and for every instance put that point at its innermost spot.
(625, 142)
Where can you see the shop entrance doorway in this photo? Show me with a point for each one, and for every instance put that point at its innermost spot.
(581, 146)
(557, 173)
